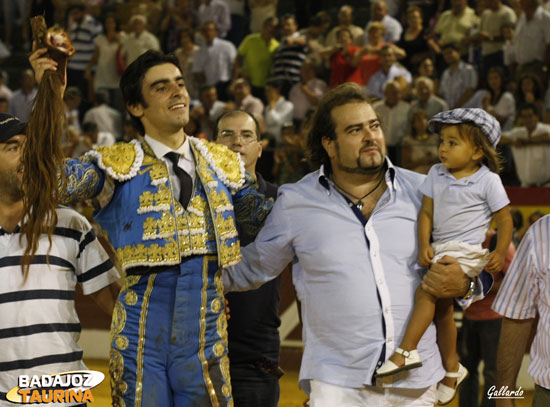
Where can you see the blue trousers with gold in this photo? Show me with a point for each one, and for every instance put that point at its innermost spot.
(169, 341)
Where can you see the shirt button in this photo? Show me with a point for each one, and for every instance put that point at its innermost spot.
(380, 282)
(386, 310)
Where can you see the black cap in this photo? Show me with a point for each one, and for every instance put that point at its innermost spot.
(10, 126)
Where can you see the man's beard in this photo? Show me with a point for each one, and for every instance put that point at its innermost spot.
(360, 168)
(10, 186)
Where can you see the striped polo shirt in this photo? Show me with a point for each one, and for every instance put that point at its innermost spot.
(525, 292)
(39, 326)
(288, 61)
(83, 38)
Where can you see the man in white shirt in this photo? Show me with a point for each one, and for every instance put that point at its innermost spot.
(21, 100)
(393, 113)
(95, 138)
(496, 16)
(459, 80)
(530, 148)
(213, 62)
(40, 327)
(345, 20)
(531, 42)
(207, 112)
(278, 110)
(243, 98)
(306, 94)
(104, 116)
(139, 40)
(218, 12)
(523, 300)
(426, 100)
(72, 100)
(379, 12)
(390, 70)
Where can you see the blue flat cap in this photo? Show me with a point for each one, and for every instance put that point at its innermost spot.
(478, 117)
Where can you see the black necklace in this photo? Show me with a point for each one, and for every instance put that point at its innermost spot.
(359, 203)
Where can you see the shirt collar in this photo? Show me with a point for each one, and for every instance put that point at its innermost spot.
(461, 65)
(280, 101)
(215, 41)
(161, 149)
(472, 179)
(324, 176)
(16, 230)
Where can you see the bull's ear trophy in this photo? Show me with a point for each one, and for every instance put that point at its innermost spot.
(43, 156)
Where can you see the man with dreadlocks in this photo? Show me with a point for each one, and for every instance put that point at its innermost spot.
(173, 208)
(38, 321)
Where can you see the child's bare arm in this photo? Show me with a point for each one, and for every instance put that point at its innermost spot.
(505, 229)
(425, 223)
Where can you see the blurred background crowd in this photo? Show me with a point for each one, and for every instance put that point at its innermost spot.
(276, 59)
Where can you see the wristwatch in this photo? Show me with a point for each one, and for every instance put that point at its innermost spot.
(471, 288)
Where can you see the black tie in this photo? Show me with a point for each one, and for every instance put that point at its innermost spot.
(186, 183)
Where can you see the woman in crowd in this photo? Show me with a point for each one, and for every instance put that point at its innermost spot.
(186, 54)
(415, 40)
(426, 67)
(495, 99)
(529, 91)
(342, 61)
(368, 58)
(104, 59)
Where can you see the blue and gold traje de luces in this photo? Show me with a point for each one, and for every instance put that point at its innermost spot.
(144, 222)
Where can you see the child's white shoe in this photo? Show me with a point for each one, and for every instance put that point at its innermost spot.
(412, 360)
(446, 394)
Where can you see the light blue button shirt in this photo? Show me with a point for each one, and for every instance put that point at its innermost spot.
(356, 283)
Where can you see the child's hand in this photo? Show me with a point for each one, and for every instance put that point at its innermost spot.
(425, 256)
(495, 262)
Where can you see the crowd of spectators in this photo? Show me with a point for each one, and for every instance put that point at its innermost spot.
(414, 58)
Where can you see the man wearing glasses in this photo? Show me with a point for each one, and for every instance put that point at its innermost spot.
(253, 327)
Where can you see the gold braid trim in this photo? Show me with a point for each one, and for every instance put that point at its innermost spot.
(120, 161)
(141, 339)
(227, 165)
(202, 335)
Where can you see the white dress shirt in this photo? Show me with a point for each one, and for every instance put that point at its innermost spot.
(186, 162)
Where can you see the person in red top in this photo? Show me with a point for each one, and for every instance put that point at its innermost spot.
(341, 58)
(367, 58)
(480, 335)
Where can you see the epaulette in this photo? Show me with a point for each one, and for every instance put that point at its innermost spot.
(228, 165)
(121, 161)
